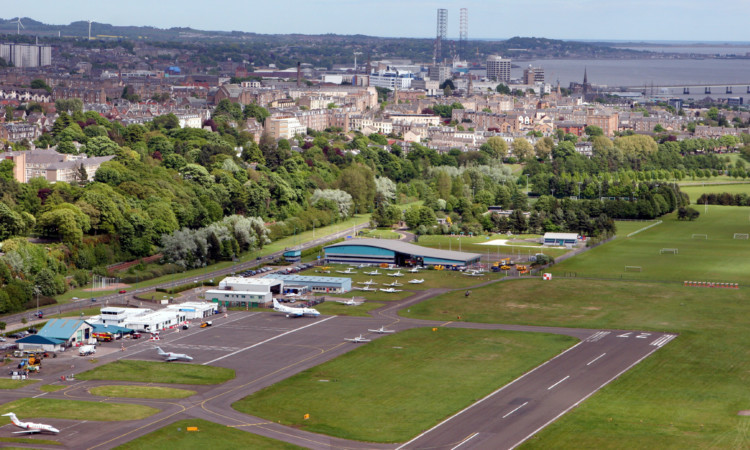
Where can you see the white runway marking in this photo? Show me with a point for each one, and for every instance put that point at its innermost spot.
(551, 387)
(597, 336)
(625, 335)
(663, 340)
(267, 340)
(466, 440)
(515, 410)
(643, 335)
(594, 360)
(43, 393)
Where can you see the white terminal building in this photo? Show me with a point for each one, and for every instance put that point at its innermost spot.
(245, 292)
(144, 319)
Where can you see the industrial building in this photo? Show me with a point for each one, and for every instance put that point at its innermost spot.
(194, 310)
(245, 292)
(303, 283)
(36, 343)
(561, 239)
(155, 321)
(69, 331)
(388, 251)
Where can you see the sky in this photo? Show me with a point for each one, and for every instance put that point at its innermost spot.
(637, 20)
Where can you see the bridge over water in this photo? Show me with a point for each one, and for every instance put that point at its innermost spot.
(687, 89)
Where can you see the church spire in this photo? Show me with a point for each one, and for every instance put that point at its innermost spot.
(585, 76)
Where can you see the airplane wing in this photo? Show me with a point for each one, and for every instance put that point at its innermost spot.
(171, 358)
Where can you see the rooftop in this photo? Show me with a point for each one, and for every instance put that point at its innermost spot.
(405, 247)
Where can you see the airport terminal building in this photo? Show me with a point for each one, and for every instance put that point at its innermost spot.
(304, 283)
(389, 251)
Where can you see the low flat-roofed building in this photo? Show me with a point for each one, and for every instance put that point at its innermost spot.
(313, 284)
(194, 310)
(561, 239)
(155, 321)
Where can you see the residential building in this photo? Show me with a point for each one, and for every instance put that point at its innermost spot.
(533, 75)
(498, 68)
(26, 55)
(284, 127)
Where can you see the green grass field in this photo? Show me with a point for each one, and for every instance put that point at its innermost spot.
(522, 250)
(209, 435)
(18, 440)
(158, 372)
(695, 191)
(7, 383)
(52, 387)
(380, 233)
(334, 308)
(129, 391)
(391, 389)
(720, 258)
(75, 410)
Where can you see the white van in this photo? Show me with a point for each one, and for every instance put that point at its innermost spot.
(86, 350)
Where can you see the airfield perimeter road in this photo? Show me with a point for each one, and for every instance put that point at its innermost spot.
(265, 347)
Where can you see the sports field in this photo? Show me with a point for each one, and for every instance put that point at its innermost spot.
(397, 386)
(696, 191)
(719, 258)
(518, 247)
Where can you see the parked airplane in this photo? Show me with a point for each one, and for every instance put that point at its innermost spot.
(394, 284)
(397, 274)
(381, 330)
(348, 271)
(351, 302)
(473, 273)
(414, 270)
(294, 312)
(169, 356)
(417, 281)
(374, 272)
(367, 283)
(30, 427)
(390, 290)
(366, 288)
(357, 340)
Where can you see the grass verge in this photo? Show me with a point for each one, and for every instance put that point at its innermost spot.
(394, 387)
(75, 410)
(333, 308)
(52, 387)
(129, 391)
(158, 372)
(17, 440)
(209, 435)
(7, 383)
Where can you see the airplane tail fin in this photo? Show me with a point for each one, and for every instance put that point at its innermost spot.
(275, 303)
(161, 352)
(12, 416)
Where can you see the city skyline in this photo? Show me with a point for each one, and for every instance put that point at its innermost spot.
(668, 20)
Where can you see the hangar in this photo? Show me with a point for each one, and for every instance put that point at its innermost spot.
(389, 251)
(561, 239)
(303, 283)
(245, 292)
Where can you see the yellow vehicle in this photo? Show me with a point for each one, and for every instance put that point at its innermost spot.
(504, 267)
(439, 267)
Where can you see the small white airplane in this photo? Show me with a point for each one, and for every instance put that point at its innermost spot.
(294, 312)
(394, 284)
(357, 340)
(366, 288)
(351, 302)
(30, 427)
(473, 273)
(417, 281)
(374, 272)
(293, 294)
(169, 356)
(414, 269)
(397, 274)
(382, 330)
(360, 266)
(367, 283)
(390, 290)
(348, 271)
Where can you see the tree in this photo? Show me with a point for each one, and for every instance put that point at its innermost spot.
(359, 181)
(495, 147)
(69, 105)
(38, 83)
(522, 148)
(100, 146)
(11, 223)
(518, 221)
(228, 109)
(502, 88)
(543, 148)
(167, 121)
(254, 110)
(338, 199)
(659, 129)
(593, 131)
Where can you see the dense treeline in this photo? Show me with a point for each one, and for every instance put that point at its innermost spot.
(724, 199)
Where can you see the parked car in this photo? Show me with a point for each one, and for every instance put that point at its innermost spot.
(135, 335)
(123, 291)
(33, 330)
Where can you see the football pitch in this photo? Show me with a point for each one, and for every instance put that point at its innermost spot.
(702, 250)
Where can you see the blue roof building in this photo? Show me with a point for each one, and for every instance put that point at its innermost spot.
(35, 342)
(71, 331)
(389, 251)
(313, 283)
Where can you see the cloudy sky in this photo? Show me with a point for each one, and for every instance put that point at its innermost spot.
(689, 20)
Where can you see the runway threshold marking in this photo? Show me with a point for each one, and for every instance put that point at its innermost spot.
(43, 393)
(515, 410)
(595, 359)
(584, 398)
(486, 397)
(465, 440)
(552, 387)
(267, 340)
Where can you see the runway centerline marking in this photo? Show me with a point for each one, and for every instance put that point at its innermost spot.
(551, 387)
(267, 340)
(465, 440)
(515, 410)
(594, 360)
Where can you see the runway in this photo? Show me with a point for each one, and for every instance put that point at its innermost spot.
(265, 347)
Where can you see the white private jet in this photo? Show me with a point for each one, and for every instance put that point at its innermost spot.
(367, 283)
(357, 340)
(473, 273)
(390, 290)
(374, 272)
(397, 274)
(414, 269)
(351, 302)
(348, 271)
(30, 427)
(382, 330)
(169, 356)
(417, 281)
(294, 312)
(394, 284)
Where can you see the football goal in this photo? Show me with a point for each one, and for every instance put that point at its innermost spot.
(672, 251)
(632, 268)
(740, 235)
(700, 236)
